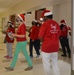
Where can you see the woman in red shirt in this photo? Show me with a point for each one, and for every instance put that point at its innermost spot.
(34, 40)
(9, 40)
(21, 44)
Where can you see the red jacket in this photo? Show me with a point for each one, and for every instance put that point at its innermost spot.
(34, 32)
(50, 32)
(8, 39)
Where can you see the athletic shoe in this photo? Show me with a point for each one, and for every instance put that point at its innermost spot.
(9, 68)
(37, 56)
(29, 68)
(64, 55)
(6, 56)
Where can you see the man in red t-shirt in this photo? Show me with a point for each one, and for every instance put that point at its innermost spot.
(64, 39)
(49, 34)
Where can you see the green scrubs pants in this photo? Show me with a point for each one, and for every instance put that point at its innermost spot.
(21, 46)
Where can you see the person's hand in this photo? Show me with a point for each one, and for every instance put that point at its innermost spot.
(70, 33)
(16, 31)
(13, 35)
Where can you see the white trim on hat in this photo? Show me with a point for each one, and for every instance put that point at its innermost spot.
(19, 17)
(48, 13)
(12, 25)
(63, 23)
(41, 19)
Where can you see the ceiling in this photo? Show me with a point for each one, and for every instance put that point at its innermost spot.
(6, 4)
(9, 7)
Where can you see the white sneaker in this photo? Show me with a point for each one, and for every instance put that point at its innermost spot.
(37, 56)
(31, 57)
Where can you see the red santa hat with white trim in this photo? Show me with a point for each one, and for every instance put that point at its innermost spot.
(11, 23)
(63, 22)
(21, 16)
(46, 13)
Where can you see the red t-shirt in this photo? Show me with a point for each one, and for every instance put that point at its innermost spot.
(34, 32)
(21, 31)
(8, 39)
(64, 31)
(50, 32)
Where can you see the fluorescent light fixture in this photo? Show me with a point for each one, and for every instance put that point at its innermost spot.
(29, 13)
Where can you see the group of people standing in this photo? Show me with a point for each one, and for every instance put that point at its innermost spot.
(48, 33)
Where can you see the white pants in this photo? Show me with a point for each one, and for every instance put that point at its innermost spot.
(9, 49)
(46, 57)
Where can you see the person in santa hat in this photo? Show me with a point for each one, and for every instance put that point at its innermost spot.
(49, 34)
(34, 40)
(21, 43)
(9, 40)
(64, 39)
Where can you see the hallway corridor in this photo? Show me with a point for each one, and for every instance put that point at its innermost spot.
(64, 63)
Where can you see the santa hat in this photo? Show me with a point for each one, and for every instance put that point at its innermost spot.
(11, 23)
(21, 16)
(63, 21)
(46, 13)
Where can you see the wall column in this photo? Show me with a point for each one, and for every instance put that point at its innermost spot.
(72, 58)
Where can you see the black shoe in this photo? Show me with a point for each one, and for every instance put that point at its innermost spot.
(69, 56)
(64, 55)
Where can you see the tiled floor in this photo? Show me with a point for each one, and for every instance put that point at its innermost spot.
(64, 63)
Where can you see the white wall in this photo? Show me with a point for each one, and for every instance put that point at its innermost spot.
(62, 11)
(4, 23)
(0, 25)
(29, 18)
(65, 12)
(72, 61)
(49, 8)
(56, 13)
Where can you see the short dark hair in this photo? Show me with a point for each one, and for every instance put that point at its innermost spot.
(33, 22)
(50, 16)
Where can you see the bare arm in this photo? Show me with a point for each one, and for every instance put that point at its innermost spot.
(16, 35)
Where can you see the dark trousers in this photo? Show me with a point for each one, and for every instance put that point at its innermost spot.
(36, 44)
(65, 45)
